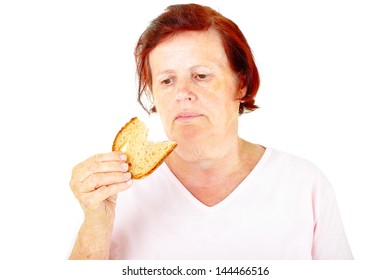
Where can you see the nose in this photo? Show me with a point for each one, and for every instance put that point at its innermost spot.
(185, 91)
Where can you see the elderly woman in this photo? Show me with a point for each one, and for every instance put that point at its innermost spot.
(216, 196)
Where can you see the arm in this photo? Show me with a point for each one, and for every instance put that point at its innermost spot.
(96, 183)
(93, 242)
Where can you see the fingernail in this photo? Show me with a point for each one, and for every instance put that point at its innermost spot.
(127, 175)
(130, 182)
(123, 157)
(124, 166)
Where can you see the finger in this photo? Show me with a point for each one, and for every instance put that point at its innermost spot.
(94, 199)
(111, 156)
(96, 180)
(105, 192)
(104, 167)
(95, 163)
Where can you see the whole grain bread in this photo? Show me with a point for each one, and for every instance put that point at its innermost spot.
(143, 156)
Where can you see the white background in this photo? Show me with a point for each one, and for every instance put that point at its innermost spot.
(67, 85)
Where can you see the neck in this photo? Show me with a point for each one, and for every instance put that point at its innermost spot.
(207, 170)
(212, 179)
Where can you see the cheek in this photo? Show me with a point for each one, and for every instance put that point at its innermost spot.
(163, 107)
(224, 94)
(158, 100)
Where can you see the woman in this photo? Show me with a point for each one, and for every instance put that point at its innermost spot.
(216, 196)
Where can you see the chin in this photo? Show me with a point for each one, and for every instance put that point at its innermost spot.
(191, 136)
(188, 133)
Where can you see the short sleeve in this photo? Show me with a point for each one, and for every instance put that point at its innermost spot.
(329, 238)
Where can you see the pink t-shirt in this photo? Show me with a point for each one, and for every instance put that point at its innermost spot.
(284, 209)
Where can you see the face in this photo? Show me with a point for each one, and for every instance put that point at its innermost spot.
(195, 91)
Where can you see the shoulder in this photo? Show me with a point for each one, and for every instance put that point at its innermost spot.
(295, 170)
(288, 161)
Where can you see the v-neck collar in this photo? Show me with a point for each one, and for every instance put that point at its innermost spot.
(193, 200)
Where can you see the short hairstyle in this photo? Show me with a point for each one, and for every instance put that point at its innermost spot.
(193, 17)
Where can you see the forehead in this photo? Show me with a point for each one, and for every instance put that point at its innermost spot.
(203, 35)
(189, 45)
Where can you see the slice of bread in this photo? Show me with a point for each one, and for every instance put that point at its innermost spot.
(144, 156)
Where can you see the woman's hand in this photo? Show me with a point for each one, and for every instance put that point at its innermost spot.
(96, 182)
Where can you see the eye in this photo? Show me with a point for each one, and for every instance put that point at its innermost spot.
(166, 81)
(201, 76)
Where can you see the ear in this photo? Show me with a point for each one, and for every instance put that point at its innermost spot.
(242, 89)
(242, 92)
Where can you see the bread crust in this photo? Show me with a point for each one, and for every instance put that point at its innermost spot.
(115, 144)
(134, 133)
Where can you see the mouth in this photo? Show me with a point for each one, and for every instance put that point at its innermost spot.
(187, 116)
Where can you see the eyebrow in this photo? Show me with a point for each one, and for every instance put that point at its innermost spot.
(169, 71)
(164, 72)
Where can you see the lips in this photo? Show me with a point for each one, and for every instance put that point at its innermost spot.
(187, 116)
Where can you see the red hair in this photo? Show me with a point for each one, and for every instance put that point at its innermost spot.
(193, 17)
